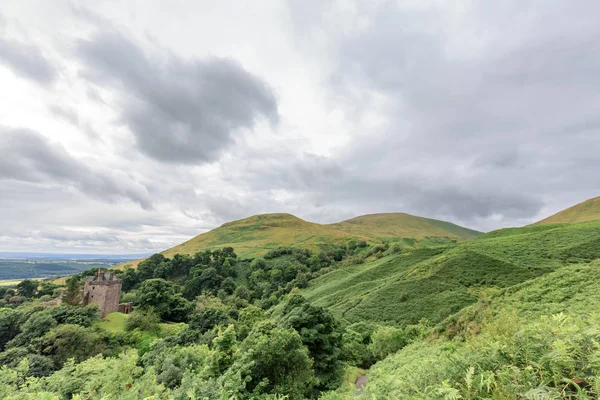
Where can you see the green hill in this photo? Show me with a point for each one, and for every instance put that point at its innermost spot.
(390, 226)
(435, 283)
(256, 235)
(588, 210)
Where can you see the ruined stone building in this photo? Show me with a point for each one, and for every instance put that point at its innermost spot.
(104, 290)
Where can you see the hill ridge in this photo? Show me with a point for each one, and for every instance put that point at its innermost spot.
(257, 234)
(588, 210)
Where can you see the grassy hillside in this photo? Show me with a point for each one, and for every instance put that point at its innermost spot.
(588, 210)
(256, 235)
(390, 226)
(536, 340)
(435, 283)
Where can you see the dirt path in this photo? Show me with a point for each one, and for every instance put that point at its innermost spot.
(361, 383)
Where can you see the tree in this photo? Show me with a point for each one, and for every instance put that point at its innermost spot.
(129, 279)
(210, 280)
(144, 320)
(274, 361)
(163, 296)
(249, 317)
(228, 285)
(321, 334)
(225, 347)
(47, 288)
(243, 292)
(387, 340)
(71, 341)
(27, 288)
(147, 267)
(210, 312)
(84, 316)
(9, 326)
(35, 327)
(73, 292)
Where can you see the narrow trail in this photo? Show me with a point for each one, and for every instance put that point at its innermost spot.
(361, 383)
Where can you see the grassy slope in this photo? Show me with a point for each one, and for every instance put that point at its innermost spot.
(433, 284)
(491, 325)
(115, 323)
(254, 236)
(401, 225)
(588, 210)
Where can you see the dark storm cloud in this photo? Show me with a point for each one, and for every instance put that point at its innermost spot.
(27, 61)
(30, 157)
(180, 111)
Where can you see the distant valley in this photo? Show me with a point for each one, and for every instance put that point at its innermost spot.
(24, 265)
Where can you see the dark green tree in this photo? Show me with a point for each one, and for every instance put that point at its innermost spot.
(321, 334)
(130, 279)
(73, 292)
(9, 326)
(71, 341)
(164, 297)
(274, 361)
(27, 288)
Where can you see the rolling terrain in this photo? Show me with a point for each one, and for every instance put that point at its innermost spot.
(433, 283)
(504, 315)
(530, 341)
(256, 235)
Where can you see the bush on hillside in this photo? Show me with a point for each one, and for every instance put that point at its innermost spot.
(144, 320)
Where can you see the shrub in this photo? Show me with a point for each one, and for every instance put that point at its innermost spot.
(387, 340)
(144, 320)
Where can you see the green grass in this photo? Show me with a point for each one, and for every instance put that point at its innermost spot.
(527, 341)
(113, 322)
(434, 283)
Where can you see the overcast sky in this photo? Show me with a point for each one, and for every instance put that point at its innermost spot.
(129, 127)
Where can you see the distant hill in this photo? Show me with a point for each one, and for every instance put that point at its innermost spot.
(588, 210)
(256, 235)
(401, 225)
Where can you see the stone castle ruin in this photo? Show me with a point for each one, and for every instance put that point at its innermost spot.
(104, 290)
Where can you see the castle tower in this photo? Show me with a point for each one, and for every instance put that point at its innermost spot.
(103, 290)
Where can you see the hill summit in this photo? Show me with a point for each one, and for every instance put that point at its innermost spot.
(588, 210)
(254, 236)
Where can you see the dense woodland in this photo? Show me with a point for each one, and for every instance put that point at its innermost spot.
(511, 314)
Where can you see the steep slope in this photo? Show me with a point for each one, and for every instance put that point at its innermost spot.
(390, 226)
(588, 210)
(534, 340)
(435, 283)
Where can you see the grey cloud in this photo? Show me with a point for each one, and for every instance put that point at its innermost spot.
(72, 116)
(180, 111)
(27, 61)
(491, 117)
(31, 157)
(68, 114)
